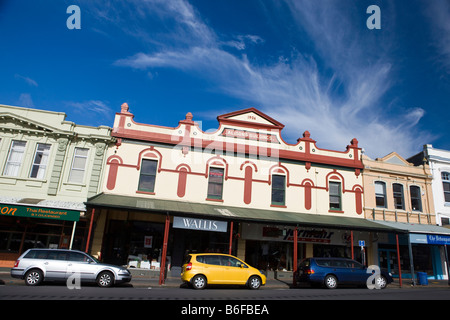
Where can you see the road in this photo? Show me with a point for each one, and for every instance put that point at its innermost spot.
(128, 292)
(213, 303)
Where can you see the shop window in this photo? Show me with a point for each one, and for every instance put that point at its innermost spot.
(15, 158)
(446, 185)
(278, 190)
(399, 202)
(147, 176)
(78, 165)
(335, 196)
(215, 183)
(380, 194)
(416, 201)
(40, 161)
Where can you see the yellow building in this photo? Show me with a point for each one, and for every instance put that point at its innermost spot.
(399, 194)
(396, 190)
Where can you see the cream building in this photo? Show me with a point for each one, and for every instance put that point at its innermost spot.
(240, 189)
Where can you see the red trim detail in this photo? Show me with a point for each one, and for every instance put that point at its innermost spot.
(308, 187)
(112, 175)
(182, 179)
(248, 185)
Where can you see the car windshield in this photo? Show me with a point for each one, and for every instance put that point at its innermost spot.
(92, 258)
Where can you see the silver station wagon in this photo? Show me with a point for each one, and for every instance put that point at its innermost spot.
(37, 265)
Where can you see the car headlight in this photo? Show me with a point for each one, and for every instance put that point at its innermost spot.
(124, 271)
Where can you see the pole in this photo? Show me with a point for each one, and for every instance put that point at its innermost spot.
(294, 264)
(411, 261)
(448, 267)
(73, 234)
(90, 230)
(398, 263)
(231, 237)
(351, 245)
(164, 252)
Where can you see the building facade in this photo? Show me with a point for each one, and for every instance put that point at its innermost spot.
(400, 194)
(439, 162)
(49, 167)
(240, 189)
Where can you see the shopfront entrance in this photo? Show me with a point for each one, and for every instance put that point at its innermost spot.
(131, 242)
(193, 235)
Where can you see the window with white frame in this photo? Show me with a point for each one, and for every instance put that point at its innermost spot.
(215, 183)
(15, 158)
(78, 165)
(416, 199)
(446, 185)
(380, 194)
(278, 190)
(40, 161)
(147, 176)
(397, 190)
(335, 196)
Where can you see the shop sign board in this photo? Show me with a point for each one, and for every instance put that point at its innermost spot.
(39, 212)
(286, 234)
(199, 224)
(429, 239)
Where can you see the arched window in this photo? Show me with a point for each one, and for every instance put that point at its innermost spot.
(446, 185)
(399, 200)
(380, 194)
(278, 189)
(416, 199)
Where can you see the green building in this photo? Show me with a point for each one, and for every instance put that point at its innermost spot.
(48, 169)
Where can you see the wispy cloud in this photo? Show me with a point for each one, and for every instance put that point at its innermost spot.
(348, 100)
(92, 107)
(28, 80)
(25, 101)
(438, 13)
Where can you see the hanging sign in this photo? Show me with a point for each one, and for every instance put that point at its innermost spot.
(429, 239)
(199, 224)
(39, 212)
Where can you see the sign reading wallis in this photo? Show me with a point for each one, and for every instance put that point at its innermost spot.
(199, 224)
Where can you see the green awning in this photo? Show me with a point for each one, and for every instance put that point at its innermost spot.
(15, 210)
(221, 212)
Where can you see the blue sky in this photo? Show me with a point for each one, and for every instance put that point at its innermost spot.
(312, 65)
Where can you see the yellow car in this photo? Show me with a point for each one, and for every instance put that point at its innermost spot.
(215, 268)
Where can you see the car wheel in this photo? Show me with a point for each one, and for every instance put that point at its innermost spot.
(254, 282)
(199, 282)
(34, 277)
(105, 279)
(381, 282)
(331, 282)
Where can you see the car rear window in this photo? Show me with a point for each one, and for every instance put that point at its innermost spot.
(187, 259)
(36, 254)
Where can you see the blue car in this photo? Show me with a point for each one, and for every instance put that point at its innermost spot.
(333, 271)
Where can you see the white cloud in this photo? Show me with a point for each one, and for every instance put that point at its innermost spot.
(438, 13)
(25, 101)
(91, 106)
(28, 80)
(294, 90)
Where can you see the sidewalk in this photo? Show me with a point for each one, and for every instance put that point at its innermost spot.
(146, 281)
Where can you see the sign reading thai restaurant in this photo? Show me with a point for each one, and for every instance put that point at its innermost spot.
(199, 224)
(39, 212)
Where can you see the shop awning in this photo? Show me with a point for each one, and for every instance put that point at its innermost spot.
(221, 212)
(415, 228)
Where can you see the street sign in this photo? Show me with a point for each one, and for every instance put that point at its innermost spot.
(362, 243)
